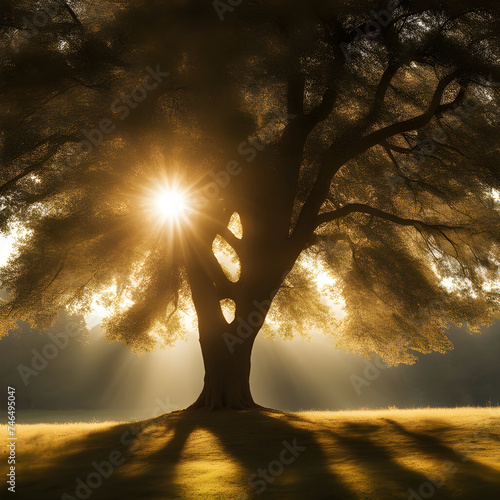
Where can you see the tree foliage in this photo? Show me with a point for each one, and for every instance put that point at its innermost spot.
(363, 143)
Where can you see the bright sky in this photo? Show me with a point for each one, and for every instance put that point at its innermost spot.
(6, 246)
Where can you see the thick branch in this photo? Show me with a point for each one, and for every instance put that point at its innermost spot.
(296, 83)
(366, 209)
(322, 111)
(382, 88)
(435, 107)
(229, 236)
(349, 148)
(224, 287)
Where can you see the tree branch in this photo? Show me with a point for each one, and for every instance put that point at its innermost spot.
(28, 170)
(397, 149)
(347, 148)
(224, 287)
(53, 147)
(435, 107)
(229, 236)
(367, 209)
(382, 88)
(295, 94)
(322, 111)
(71, 13)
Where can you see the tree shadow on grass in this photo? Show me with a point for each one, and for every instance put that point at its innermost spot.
(206, 455)
(460, 474)
(49, 475)
(153, 456)
(279, 459)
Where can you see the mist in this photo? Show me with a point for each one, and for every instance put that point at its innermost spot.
(89, 378)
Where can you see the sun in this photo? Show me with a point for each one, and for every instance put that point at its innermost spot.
(166, 204)
(170, 204)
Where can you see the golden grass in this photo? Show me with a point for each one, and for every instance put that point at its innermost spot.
(382, 454)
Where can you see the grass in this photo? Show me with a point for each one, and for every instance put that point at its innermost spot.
(383, 454)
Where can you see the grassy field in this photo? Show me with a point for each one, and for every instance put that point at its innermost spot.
(384, 454)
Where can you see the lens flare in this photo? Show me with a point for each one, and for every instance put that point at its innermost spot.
(170, 204)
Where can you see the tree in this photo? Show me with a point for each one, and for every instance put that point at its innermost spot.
(354, 141)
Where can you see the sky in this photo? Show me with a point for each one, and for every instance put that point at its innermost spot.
(6, 245)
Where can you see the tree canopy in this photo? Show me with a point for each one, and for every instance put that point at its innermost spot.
(338, 149)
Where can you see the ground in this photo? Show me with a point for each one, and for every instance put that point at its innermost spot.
(383, 454)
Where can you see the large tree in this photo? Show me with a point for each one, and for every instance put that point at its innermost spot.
(345, 149)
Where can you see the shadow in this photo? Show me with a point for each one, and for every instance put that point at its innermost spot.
(240, 456)
(458, 468)
(250, 441)
(376, 462)
(254, 443)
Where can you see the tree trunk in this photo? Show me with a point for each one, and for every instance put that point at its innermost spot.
(227, 347)
(226, 358)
